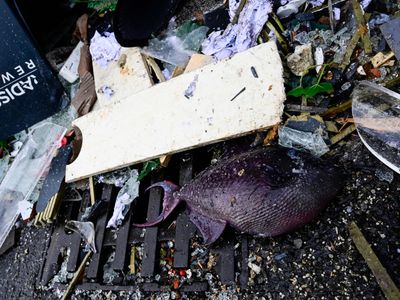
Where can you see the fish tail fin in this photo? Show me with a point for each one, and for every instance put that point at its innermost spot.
(170, 202)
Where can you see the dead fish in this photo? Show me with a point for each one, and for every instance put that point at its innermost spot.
(266, 191)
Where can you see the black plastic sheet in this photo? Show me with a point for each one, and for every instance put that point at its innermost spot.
(29, 91)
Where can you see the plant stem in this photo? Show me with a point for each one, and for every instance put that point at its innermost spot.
(321, 73)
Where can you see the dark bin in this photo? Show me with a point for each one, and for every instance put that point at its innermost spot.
(29, 91)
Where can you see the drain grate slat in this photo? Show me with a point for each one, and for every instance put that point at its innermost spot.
(195, 287)
(150, 238)
(121, 245)
(93, 268)
(135, 235)
(184, 227)
(184, 231)
(94, 286)
(244, 274)
(73, 244)
(226, 263)
(61, 240)
(151, 287)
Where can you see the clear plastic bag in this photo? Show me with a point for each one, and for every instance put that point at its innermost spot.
(30, 164)
(305, 141)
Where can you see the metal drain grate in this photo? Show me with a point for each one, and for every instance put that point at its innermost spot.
(228, 266)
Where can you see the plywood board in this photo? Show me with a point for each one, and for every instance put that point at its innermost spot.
(231, 98)
(124, 81)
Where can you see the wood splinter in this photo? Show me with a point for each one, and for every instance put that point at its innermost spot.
(382, 277)
(77, 275)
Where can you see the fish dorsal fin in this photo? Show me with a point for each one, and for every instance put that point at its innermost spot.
(210, 229)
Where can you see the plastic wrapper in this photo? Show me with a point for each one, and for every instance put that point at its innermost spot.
(305, 141)
(292, 7)
(29, 165)
(126, 195)
(86, 230)
(178, 45)
(4, 166)
(117, 178)
(376, 112)
(109, 275)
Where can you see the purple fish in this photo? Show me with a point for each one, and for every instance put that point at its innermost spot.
(266, 191)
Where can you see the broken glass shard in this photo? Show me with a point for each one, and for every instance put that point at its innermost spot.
(376, 112)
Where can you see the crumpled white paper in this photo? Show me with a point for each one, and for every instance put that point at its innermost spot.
(104, 48)
(365, 3)
(241, 36)
(126, 195)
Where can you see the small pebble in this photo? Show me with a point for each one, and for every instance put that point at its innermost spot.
(384, 174)
(280, 256)
(346, 86)
(298, 243)
(254, 267)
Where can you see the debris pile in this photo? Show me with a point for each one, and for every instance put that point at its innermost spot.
(276, 100)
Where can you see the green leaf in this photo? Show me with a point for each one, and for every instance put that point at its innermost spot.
(311, 91)
(315, 89)
(148, 167)
(3, 144)
(102, 5)
(297, 92)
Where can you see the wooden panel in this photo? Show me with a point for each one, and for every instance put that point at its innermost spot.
(124, 81)
(232, 97)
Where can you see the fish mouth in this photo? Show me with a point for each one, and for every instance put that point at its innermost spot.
(169, 202)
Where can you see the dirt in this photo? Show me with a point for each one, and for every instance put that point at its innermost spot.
(20, 266)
